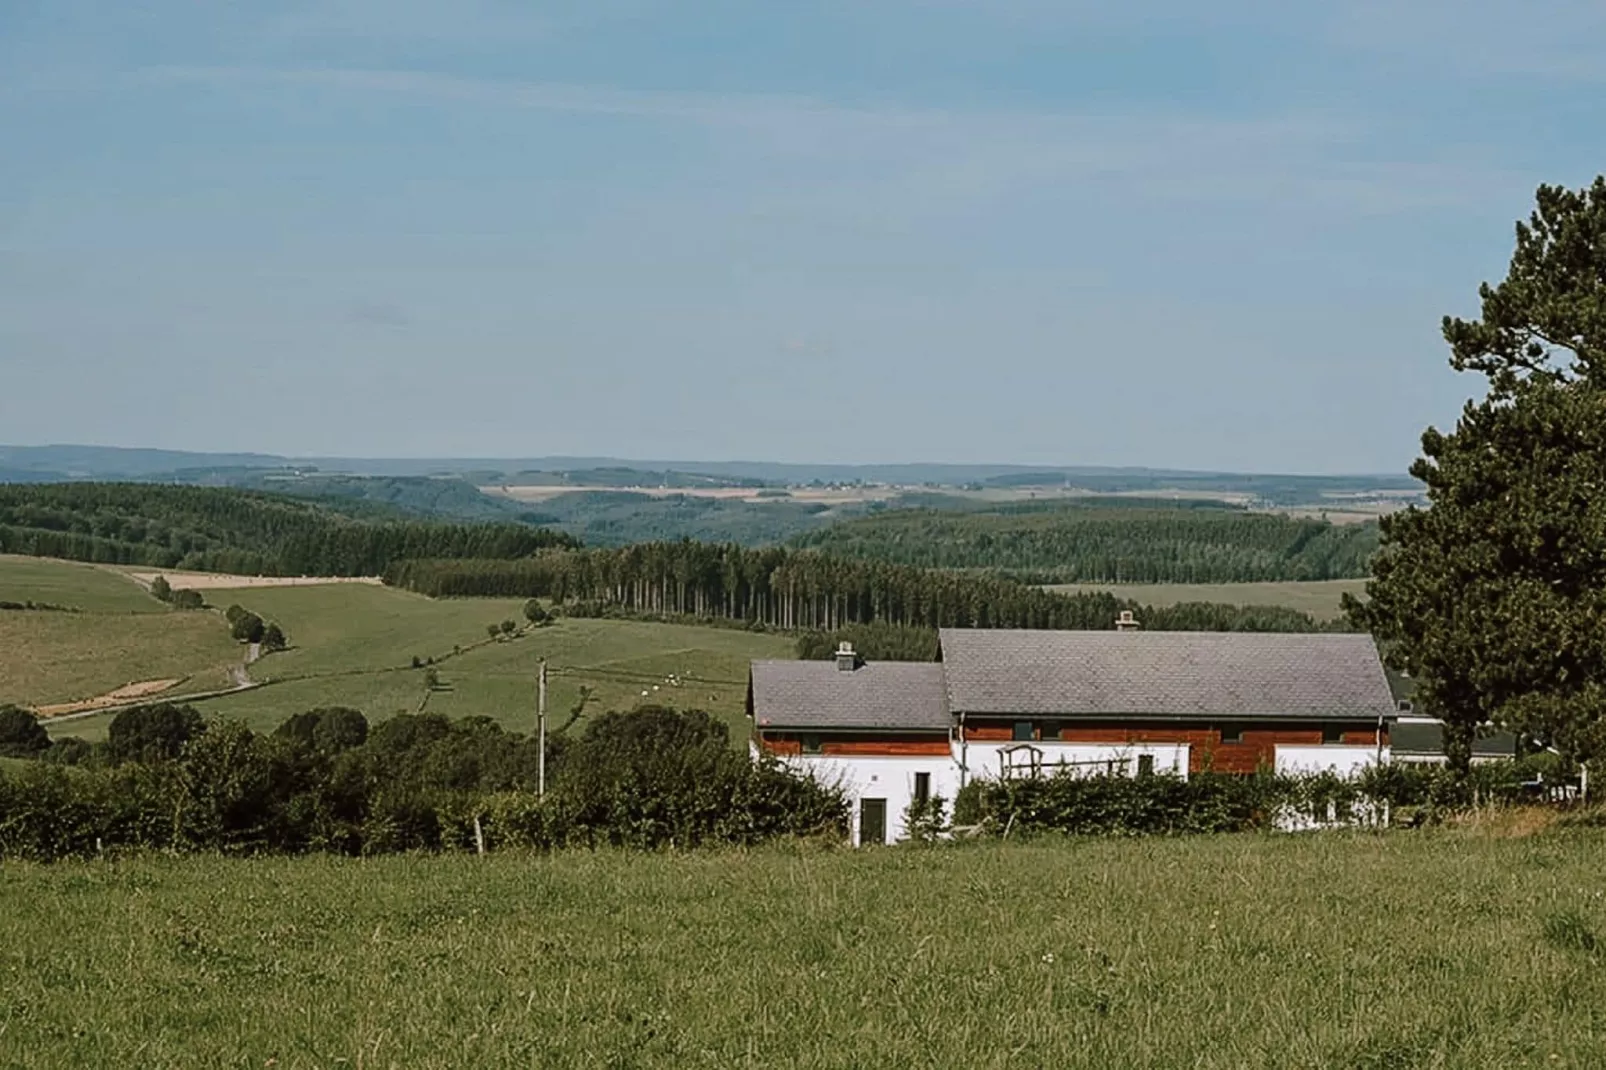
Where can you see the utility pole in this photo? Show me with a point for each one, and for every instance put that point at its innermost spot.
(540, 721)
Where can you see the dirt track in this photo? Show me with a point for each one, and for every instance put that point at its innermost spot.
(210, 581)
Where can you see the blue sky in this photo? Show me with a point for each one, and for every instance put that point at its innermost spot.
(1151, 233)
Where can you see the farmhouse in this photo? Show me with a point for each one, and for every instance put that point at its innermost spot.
(1011, 703)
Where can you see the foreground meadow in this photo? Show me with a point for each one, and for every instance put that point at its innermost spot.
(1408, 949)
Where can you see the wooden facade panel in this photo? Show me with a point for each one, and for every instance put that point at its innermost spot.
(887, 748)
(1303, 737)
(1231, 757)
(891, 745)
(989, 733)
(1365, 738)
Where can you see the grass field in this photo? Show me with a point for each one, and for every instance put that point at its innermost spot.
(67, 583)
(1410, 949)
(123, 636)
(1319, 598)
(354, 645)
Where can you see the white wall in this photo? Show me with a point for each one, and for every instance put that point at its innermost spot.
(1343, 760)
(892, 779)
(985, 760)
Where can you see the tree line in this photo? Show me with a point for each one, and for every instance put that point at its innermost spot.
(1103, 543)
(327, 781)
(795, 590)
(219, 529)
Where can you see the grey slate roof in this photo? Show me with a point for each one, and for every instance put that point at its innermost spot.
(816, 694)
(1164, 674)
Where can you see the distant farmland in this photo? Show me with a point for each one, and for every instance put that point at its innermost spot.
(353, 644)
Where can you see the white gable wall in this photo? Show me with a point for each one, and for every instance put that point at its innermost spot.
(892, 779)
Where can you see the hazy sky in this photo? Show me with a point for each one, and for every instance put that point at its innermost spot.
(1041, 231)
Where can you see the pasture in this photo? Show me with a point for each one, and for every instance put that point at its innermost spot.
(1407, 949)
(354, 644)
(123, 636)
(90, 588)
(1320, 598)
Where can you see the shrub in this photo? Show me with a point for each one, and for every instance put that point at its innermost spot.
(657, 777)
(21, 734)
(923, 819)
(328, 729)
(273, 638)
(244, 625)
(185, 598)
(161, 590)
(152, 733)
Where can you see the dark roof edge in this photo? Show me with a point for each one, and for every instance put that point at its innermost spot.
(1230, 717)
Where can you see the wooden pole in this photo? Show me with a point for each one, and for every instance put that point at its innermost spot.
(540, 721)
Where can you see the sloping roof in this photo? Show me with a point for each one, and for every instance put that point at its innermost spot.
(816, 694)
(1424, 736)
(1164, 674)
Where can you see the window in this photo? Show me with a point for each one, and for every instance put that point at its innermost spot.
(1145, 765)
(922, 787)
(1232, 733)
(1025, 732)
(1332, 733)
(811, 744)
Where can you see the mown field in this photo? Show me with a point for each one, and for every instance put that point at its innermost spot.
(68, 583)
(1424, 949)
(353, 645)
(122, 636)
(1320, 598)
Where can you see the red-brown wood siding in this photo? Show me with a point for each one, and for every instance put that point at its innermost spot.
(892, 745)
(990, 733)
(887, 748)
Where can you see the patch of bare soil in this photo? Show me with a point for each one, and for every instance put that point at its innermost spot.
(208, 581)
(126, 693)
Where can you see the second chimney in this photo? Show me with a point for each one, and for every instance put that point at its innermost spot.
(846, 659)
(1126, 622)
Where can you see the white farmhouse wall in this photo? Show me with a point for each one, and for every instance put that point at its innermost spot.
(986, 760)
(1344, 761)
(892, 779)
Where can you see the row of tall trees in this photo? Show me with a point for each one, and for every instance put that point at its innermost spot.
(1098, 543)
(222, 529)
(798, 591)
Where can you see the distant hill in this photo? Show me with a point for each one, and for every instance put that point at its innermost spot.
(227, 529)
(1115, 541)
(63, 462)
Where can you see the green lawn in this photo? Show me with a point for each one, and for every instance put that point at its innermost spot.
(68, 583)
(1317, 597)
(354, 645)
(1424, 949)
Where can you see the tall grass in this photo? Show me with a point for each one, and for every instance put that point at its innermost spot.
(1437, 948)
